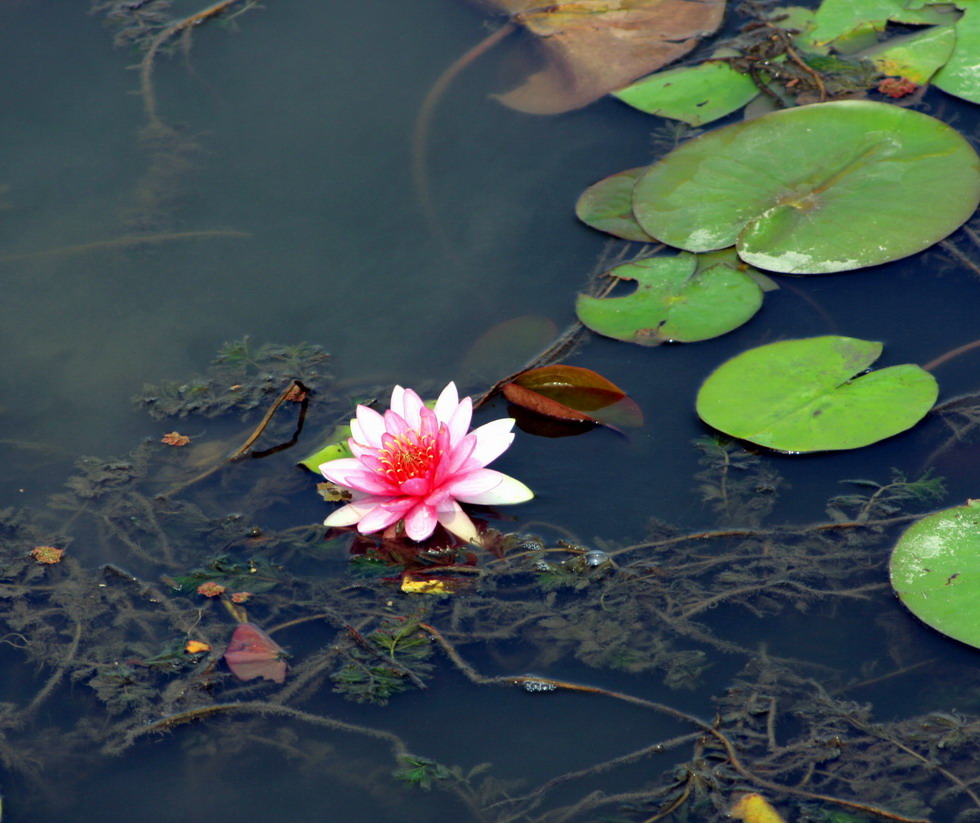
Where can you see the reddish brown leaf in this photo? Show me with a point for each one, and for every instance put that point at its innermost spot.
(572, 386)
(593, 47)
(532, 400)
(252, 653)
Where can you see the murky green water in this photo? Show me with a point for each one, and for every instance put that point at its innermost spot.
(291, 148)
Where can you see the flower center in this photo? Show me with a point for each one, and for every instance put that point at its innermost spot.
(409, 456)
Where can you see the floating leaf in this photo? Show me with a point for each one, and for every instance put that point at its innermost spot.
(696, 95)
(538, 403)
(673, 302)
(608, 206)
(836, 19)
(935, 570)
(822, 188)
(916, 57)
(595, 46)
(335, 448)
(568, 394)
(252, 653)
(803, 395)
(574, 386)
(961, 74)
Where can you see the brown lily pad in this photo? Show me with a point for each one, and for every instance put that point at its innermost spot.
(593, 47)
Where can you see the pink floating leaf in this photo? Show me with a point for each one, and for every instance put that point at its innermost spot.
(252, 653)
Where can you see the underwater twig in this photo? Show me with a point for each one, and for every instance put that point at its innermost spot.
(551, 684)
(768, 532)
(951, 249)
(534, 797)
(164, 724)
(53, 681)
(875, 731)
(943, 358)
(152, 594)
(242, 450)
(171, 31)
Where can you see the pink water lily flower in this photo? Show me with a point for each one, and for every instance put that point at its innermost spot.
(418, 464)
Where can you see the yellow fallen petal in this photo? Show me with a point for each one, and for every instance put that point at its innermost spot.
(754, 808)
(195, 646)
(426, 585)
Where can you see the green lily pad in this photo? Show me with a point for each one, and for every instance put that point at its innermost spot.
(822, 188)
(335, 448)
(696, 95)
(847, 18)
(915, 56)
(935, 571)
(608, 206)
(961, 74)
(803, 395)
(673, 301)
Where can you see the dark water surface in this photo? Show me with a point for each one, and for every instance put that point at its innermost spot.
(301, 116)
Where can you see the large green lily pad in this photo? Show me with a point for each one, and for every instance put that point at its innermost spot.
(809, 395)
(822, 188)
(935, 570)
(673, 301)
(961, 75)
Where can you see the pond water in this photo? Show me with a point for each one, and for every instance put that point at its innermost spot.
(279, 204)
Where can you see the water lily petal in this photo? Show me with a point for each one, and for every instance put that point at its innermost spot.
(420, 522)
(453, 461)
(492, 440)
(508, 490)
(412, 405)
(351, 473)
(455, 520)
(397, 404)
(459, 421)
(339, 469)
(447, 403)
(473, 484)
(344, 516)
(395, 425)
(351, 513)
(367, 427)
(382, 516)
(416, 486)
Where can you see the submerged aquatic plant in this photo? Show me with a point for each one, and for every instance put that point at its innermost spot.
(418, 464)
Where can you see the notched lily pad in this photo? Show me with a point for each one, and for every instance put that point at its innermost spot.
(822, 188)
(810, 395)
(935, 571)
(673, 301)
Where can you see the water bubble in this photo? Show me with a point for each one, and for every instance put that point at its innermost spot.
(595, 558)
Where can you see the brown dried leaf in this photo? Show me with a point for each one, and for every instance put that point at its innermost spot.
(596, 46)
